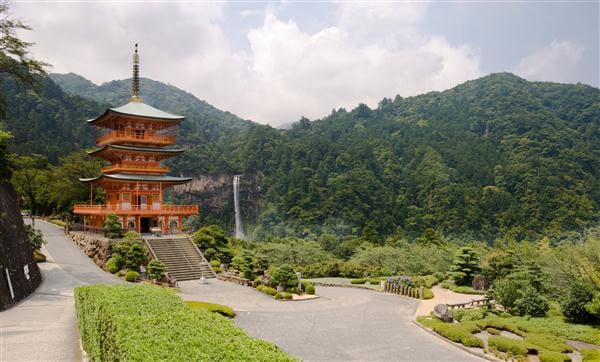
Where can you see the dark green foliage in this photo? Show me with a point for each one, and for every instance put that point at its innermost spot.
(590, 355)
(114, 264)
(465, 266)
(35, 237)
(223, 310)
(136, 256)
(573, 306)
(284, 275)
(143, 323)
(531, 303)
(466, 315)
(6, 164)
(267, 290)
(509, 345)
(156, 269)
(308, 287)
(132, 276)
(112, 227)
(593, 307)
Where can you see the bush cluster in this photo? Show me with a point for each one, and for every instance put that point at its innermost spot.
(457, 332)
(549, 356)
(508, 345)
(468, 315)
(427, 293)
(285, 276)
(372, 281)
(461, 289)
(308, 287)
(283, 295)
(128, 253)
(344, 269)
(212, 307)
(157, 269)
(548, 342)
(132, 276)
(149, 323)
(267, 290)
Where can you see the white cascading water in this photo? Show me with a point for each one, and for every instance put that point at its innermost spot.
(239, 227)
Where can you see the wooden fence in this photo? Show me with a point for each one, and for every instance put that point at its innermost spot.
(403, 289)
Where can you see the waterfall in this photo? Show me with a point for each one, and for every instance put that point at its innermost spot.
(239, 227)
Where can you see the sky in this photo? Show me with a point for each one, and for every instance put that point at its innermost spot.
(274, 62)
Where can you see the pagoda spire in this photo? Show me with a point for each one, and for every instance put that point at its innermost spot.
(135, 80)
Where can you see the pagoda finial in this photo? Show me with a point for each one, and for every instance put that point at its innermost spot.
(135, 81)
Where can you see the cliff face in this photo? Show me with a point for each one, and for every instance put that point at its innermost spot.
(214, 194)
(16, 254)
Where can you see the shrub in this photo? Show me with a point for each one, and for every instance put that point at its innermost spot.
(212, 307)
(295, 290)
(509, 345)
(465, 266)
(284, 275)
(492, 331)
(466, 315)
(35, 237)
(590, 355)
(283, 295)
(358, 281)
(549, 356)
(531, 303)
(112, 227)
(58, 222)
(113, 265)
(373, 281)
(439, 276)
(157, 270)
(149, 323)
(593, 307)
(136, 256)
(549, 342)
(267, 290)
(38, 257)
(427, 293)
(574, 305)
(121, 273)
(352, 270)
(131, 275)
(457, 332)
(465, 290)
(309, 288)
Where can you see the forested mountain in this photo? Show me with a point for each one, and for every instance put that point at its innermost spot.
(495, 157)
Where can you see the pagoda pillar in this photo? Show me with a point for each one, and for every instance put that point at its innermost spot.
(180, 224)
(138, 221)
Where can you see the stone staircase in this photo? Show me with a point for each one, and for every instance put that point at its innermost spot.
(183, 259)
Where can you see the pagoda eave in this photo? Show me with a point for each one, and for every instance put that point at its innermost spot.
(128, 178)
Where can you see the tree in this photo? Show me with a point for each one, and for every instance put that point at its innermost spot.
(157, 269)
(112, 227)
(573, 306)
(31, 179)
(531, 303)
(285, 276)
(14, 58)
(35, 237)
(465, 266)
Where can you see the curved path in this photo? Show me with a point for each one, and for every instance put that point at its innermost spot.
(344, 324)
(43, 327)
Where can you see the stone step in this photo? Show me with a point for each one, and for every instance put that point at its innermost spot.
(181, 257)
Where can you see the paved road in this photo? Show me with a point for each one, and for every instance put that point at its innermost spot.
(43, 326)
(344, 324)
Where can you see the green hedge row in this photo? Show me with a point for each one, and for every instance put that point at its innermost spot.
(211, 307)
(457, 332)
(149, 323)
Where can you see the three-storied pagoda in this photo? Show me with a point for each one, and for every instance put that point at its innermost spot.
(133, 139)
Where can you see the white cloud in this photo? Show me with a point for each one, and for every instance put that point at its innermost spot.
(558, 61)
(369, 51)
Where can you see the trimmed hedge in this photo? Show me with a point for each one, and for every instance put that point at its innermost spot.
(509, 345)
(308, 287)
(267, 290)
(149, 323)
(590, 355)
(283, 295)
(427, 293)
(492, 331)
(549, 356)
(549, 342)
(457, 332)
(223, 310)
(131, 275)
(466, 315)
(58, 222)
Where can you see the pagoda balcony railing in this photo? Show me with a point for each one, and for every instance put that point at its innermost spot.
(124, 209)
(132, 166)
(135, 137)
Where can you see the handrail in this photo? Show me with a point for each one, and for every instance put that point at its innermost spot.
(136, 136)
(149, 207)
(155, 166)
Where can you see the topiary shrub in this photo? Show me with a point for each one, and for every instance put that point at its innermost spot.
(131, 275)
(457, 332)
(573, 306)
(427, 293)
(157, 270)
(309, 289)
(112, 227)
(465, 266)
(466, 315)
(549, 356)
(212, 307)
(492, 331)
(121, 273)
(112, 265)
(283, 295)
(439, 276)
(358, 281)
(136, 256)
(267, 290)
(509, 345)
(284, 275)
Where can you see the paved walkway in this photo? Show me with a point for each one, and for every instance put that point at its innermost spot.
(344, 324)
(43, 327)
(444, 296)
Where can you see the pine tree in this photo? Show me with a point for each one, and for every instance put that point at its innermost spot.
(465, 266)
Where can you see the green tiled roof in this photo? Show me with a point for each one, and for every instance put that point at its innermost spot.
(139, 109)
(138, 177)
(138, 149)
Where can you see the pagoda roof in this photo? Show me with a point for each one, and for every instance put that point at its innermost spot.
(138, 177)
(139, 109)
(137, 149)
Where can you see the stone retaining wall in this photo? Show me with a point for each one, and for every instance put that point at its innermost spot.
(96, 247)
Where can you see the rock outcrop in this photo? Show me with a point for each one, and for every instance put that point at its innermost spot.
(19, 274)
